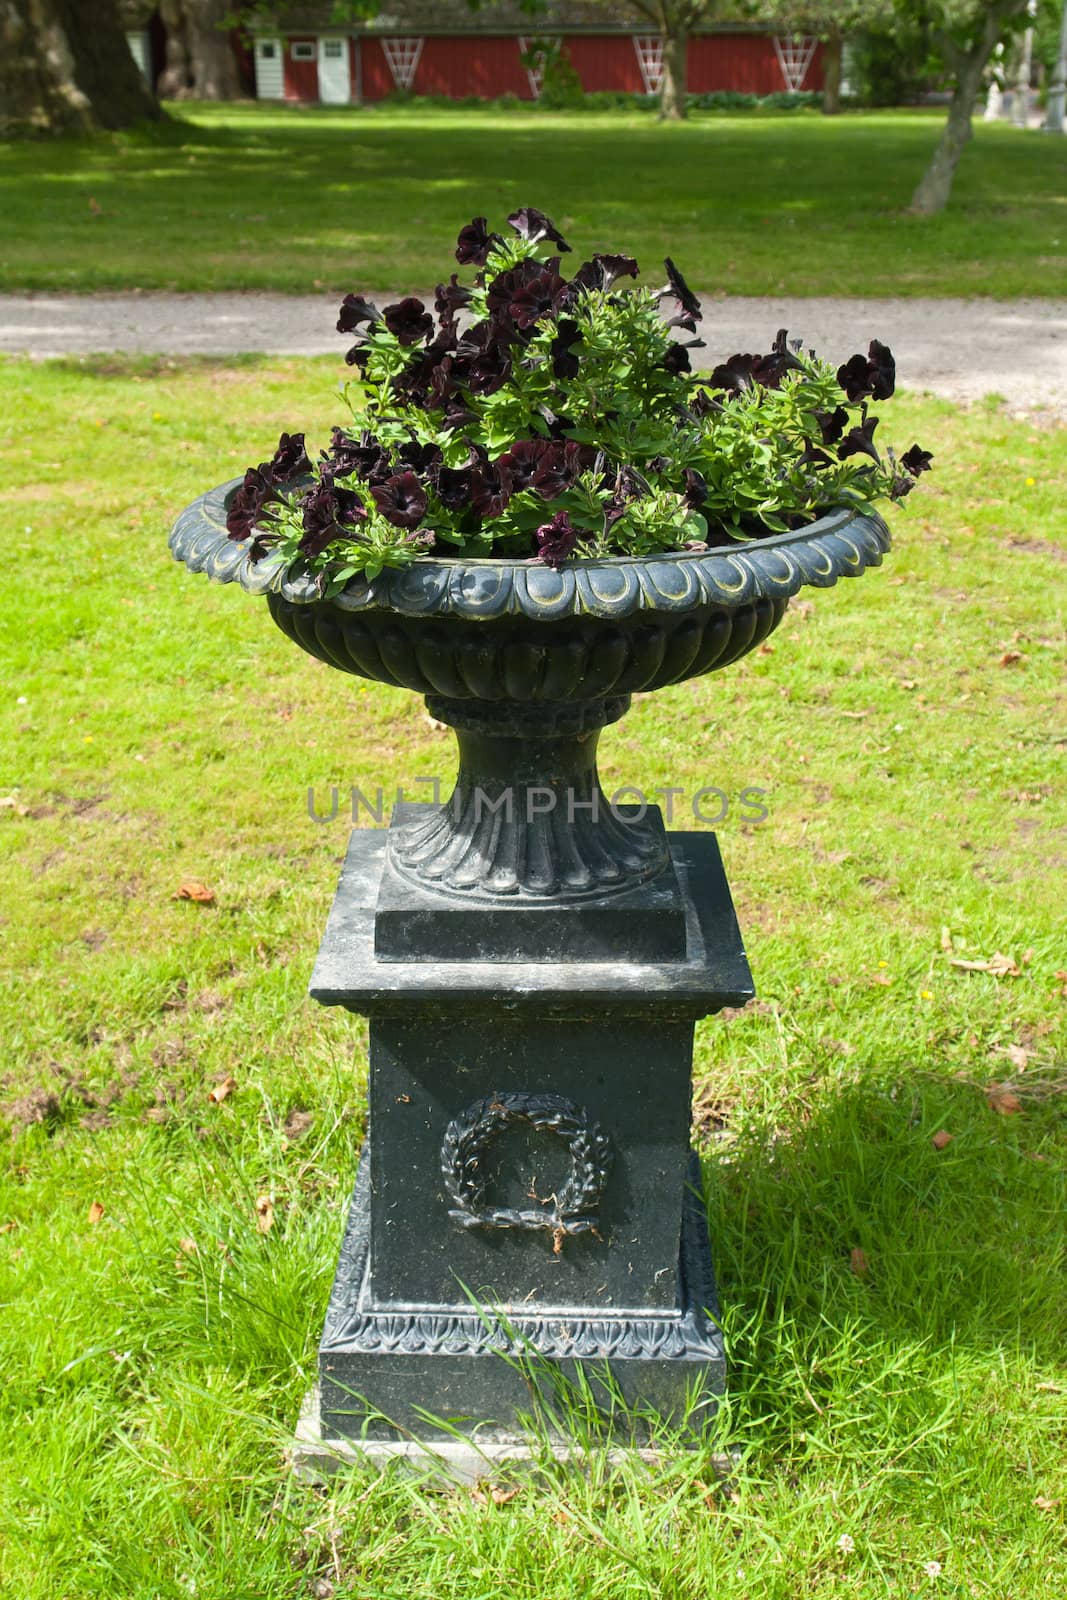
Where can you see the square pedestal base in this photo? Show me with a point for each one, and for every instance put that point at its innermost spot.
(393, 1374)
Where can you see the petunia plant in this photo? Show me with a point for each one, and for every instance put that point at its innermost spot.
(542, 417)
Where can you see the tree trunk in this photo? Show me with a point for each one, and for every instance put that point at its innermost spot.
(673, 90)
(176, 79)
(215, 75)
(831, 73)
(935, 186)
(65, 67)
(200, 61)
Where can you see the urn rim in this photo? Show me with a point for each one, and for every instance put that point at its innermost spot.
(842, 542)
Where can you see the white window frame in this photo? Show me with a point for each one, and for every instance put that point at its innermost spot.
(306, 49)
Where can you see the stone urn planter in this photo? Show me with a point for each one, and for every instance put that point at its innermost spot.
(532, 960)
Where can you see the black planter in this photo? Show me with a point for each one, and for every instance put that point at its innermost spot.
(532, 959)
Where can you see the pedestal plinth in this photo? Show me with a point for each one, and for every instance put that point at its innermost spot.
(526, 1190)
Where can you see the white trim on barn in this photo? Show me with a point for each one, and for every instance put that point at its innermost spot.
(141, 51)
(402, 56)
(648, 48)
(795, 53)
(270, 79)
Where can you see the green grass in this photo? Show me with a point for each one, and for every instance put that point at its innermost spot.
(300, 200)
(155, 729)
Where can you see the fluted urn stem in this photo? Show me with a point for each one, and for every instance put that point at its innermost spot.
(528, 817)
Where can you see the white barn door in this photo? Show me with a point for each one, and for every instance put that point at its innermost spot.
(270, 83)
(335, 82)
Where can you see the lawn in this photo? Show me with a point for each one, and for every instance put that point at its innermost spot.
(895, 1307)
(298, 199)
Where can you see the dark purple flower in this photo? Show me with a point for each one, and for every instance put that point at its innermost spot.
(860, 440)
(832, 424)
(354, 312)
(538, 296)
(702, 404)
(358, 356)
(290, 458)
(423, 459)
(488, 372)
(677, 286)
(475, 242)
(883, 370)
(249, 501)
(916, 460)
(602, 271)
(556, 540)
(742, 371)
(873, 374)
(812, 456)
(457, 415)
(781, 360)
(326, 514)
(489, 492)
(565, 363)
(533, 226)
(696, 488)
(367, 458)
(451, 297)
(409, 320)
(560, 466)
(442, 385)
(629, 486)
(519, 465)
(736, 374)
(453, 488)
(677, 360)
(401, 500)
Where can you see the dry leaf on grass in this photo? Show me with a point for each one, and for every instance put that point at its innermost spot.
(264, 1213)
(999, 966)
(192, 889)
(484, 1494)
(1043, 1503)
(858, 1262)
(219, 1093)
(941, 1140)
(9, 1227)
(297, 1124)
(999, 1098)
(96, 1211)
(1016, 1055)
(1010, 657)
(946, 939)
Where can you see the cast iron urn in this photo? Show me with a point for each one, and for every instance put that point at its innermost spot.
(532, 959)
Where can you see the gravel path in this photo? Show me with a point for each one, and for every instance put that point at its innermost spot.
(961, 349)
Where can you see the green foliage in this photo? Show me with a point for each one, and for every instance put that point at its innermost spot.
(561, 87)
(564, 410)
(159, 727)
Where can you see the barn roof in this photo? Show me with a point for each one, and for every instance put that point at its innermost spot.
(422, 17)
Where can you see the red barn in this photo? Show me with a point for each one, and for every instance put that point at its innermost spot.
(441, 47)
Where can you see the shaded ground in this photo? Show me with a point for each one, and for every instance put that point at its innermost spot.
(960, 349)
(294, 199)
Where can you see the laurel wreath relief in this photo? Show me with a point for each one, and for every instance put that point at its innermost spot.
(463, 1149)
